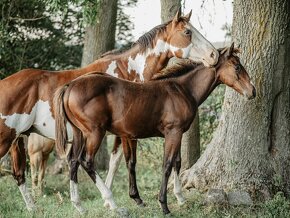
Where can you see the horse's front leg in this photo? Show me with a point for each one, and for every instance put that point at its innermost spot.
(18, 157)
(172, 147)
(115, 159)
(129, 149)
(177, 184)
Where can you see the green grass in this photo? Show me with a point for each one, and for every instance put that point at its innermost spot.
(56, 203)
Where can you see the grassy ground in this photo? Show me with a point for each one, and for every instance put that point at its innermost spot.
(56, 203)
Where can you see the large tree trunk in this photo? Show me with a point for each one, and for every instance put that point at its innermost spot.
(169, 9)
(99, 38)
(190, 148)
(251, 146)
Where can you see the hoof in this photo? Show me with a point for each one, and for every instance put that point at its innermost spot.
(121, 212)
(31, 208)
(167, 212)
(164, 208)
(181, 201)
(139, 202)
(142, 204)
(79, 208)
(107, 204)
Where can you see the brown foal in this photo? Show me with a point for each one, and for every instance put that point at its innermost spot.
(95, 103)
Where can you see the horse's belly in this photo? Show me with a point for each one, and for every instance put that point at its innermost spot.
(45, 124)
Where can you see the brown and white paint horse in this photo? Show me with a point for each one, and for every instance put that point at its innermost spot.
(26, 96)
(96, 103)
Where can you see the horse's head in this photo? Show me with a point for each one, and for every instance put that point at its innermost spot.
(186, 42)
(232, 73)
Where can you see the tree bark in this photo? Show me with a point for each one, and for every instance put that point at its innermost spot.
(169, 9)
(99, 38)
(190, 145)
(251, 147)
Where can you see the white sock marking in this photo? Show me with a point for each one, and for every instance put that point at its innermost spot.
(106, 193)
(177, 188)
(26, 196)
(113, 166)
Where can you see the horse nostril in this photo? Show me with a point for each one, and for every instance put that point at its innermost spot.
(212, 55)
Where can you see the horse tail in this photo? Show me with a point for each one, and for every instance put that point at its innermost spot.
(60, 122)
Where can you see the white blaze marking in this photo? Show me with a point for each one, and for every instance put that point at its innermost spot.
(40, 117)
(111, 69)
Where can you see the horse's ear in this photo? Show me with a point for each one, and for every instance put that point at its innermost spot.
(238, 49)
(224, 50)
(187, 17)
(177, 15)
(231, 49)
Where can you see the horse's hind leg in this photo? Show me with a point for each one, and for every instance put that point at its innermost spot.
(177, 184)
(19, 164)
(93, 142)
(115, 159)
(129, 149)
(171, 150)
(73, 170)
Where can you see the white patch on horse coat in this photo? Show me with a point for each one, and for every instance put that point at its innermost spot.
(111, 69)
(186, 51)
(40, 117)
(19, 122)
(139, 62)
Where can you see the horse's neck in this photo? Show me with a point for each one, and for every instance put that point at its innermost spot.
(200, 83)
(142, 64)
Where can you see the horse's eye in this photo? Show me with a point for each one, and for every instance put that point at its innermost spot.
(187, 32)
(238, 68)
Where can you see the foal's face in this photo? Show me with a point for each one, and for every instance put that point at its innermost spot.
(186, 42)
(234, 74)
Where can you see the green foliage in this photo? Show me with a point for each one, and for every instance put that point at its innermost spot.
(277, 207)
(31, 36)
(124, 24)
(209, 113)
(49, 34)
